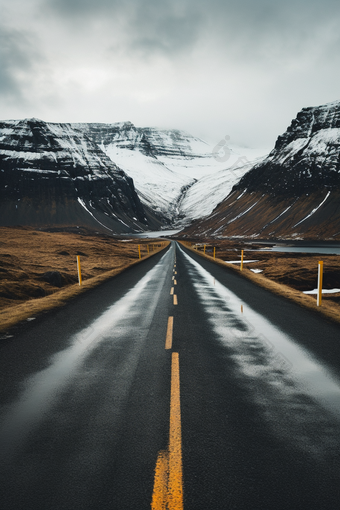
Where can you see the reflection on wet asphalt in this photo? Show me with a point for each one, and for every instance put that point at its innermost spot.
(299, 396)
(42, 390)
(260, 413)
(99, 364)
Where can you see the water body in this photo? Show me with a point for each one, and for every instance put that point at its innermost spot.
(328, 250)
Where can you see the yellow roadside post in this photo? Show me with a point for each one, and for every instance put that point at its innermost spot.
(79, 270)
(241, 260)
(139, 251)
(214, 252)
(204, 249)
(320, 274)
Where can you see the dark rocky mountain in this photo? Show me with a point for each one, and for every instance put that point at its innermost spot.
(70, 174)
(54, 174)
(306, 158)
(294, 192)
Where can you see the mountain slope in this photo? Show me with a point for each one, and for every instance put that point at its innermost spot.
(174, 173)
(54, 174)
(201, 199)
(294, 192)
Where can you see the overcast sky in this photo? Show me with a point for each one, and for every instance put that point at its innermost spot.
(241, 68)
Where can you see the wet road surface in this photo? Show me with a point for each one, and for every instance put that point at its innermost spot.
(175, 385)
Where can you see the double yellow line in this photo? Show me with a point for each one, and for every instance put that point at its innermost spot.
(168, 481)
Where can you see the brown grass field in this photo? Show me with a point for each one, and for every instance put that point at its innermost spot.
(284, 273)
(38, 269)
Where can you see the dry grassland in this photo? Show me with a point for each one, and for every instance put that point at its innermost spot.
(38, 270)
(286, 274)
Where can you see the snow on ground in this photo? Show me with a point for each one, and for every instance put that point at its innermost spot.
(156, 185)
(187, 185)
(202, 198)
(313, 211)
(324, 291)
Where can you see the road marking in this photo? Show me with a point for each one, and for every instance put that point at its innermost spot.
(175, 482)
(169, 332)
(175, 300)
(172, 291)
(175, 272)
(168, 481)
(175, 282)
(173, 277)
(160, 484)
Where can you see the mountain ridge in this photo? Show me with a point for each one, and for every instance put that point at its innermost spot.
(168, 165)
(51, 173)
(293, 193)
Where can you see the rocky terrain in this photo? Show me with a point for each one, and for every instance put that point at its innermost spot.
(123, 178)
(177, 175)
(52, 174)
(294, 193)
(111, 176)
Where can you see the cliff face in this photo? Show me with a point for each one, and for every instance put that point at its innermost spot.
(306, 158)
(176, 174)
(294, 192)
(149, 141)
(54, 174)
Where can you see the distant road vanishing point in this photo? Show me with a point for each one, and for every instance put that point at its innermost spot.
(176, 384)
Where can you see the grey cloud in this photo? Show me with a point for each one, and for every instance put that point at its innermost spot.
(241, 27)
(16, 56)
(150, 25)
(84, 8)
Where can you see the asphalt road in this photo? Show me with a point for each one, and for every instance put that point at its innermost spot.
(177, 384)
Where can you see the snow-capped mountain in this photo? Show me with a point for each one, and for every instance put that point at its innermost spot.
(200, 199)
(294, 192)
(305, 158)
(179, 176)
(85, 174)
(53, 174)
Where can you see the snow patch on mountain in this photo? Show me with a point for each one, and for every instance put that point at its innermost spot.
(178, 175)
(156, 185)
(202, 198)
(291, 194)
(58, 175)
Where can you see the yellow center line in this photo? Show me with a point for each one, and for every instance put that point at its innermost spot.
(175, 482)
(172, 291)
(175, 300)
(169, 332)
(168, 481)
(160, 484)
